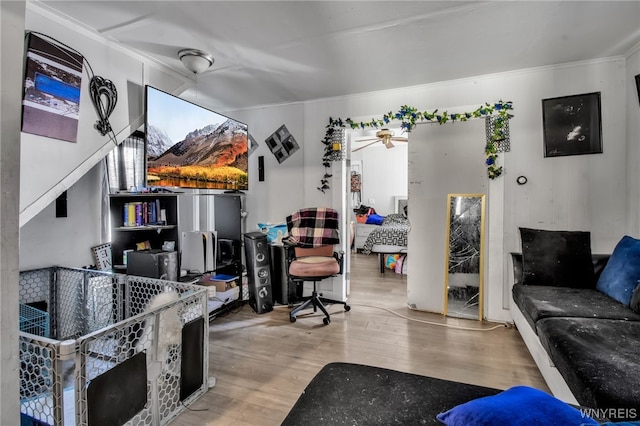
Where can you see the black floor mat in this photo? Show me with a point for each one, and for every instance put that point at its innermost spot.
(354, 394)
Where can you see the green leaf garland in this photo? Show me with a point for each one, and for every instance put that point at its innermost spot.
(410, 116)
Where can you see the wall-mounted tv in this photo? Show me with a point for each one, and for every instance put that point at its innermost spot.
(189, 146)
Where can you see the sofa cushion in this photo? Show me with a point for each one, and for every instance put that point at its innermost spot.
(557, 258)
(598, 359)
(622, 273)
(518, 405)
(635, 300)
(539, 301)
(599, 262)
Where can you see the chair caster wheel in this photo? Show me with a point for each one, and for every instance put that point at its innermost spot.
(326, 321)
(292, 319)
(347, 308)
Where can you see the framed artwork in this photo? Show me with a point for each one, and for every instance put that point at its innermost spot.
(51, 102)
(572, 125)
(102, 256)
(253, 145)
(282, 143)
(638, 86)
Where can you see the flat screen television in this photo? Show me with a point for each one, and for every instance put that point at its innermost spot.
(189, 146)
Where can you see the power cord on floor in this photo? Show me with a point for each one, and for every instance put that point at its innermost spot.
(193, 409)
(457, 327)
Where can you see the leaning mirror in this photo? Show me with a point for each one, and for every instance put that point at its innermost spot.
(464, 256)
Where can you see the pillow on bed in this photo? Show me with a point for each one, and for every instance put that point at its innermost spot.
(375, 219)
(519, 405)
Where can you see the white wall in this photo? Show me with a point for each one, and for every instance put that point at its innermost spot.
(47, 240)
(384, 175)
(585, 192)
(442, 160)
(633, 142)
(282, 191)
(11, 34)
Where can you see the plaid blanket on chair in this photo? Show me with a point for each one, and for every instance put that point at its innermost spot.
(313, 227)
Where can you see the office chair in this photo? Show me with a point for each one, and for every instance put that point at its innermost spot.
(313, 232)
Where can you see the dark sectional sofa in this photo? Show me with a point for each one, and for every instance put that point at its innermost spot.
(585, 343)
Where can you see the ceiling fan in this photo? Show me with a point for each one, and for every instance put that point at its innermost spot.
(385, 136)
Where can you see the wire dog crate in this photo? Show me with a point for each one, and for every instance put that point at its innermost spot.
(115, 349)
(33, 320)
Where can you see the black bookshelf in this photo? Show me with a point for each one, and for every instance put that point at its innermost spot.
(157, 224)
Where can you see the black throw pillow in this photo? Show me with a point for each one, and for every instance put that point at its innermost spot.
(557, 258)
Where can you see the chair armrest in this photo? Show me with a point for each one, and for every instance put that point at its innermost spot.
(289, 252)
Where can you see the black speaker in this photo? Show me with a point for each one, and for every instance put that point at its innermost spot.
(261, 168)
(284, 292)
(228, 251)
(256, 250)
(154, 264)
(61, 205)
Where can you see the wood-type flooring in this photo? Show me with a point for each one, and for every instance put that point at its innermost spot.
(262, 363)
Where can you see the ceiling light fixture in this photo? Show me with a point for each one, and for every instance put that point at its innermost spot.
(195, 60)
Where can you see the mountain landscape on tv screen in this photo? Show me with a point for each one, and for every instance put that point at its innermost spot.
(214, 156)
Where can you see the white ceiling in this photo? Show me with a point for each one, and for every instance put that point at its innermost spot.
(274, 52)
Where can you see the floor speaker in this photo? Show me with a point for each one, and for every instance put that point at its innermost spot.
(256, 250)
(284, 292)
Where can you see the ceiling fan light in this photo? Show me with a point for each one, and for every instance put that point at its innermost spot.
(384, 134)
(195, 60)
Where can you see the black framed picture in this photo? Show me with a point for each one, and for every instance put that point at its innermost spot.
(638, 86)
(572, 125)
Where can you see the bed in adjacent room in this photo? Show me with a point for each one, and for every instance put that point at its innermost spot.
(389, 238)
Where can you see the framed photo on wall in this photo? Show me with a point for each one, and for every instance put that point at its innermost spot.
(572, 125)
(51, 101)
(638, 86)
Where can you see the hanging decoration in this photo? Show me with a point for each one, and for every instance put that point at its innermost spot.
(503, 141)
(356, 188)
(104, 97)
(500, 113)
(282, 144)
(53, 80)
(337, 145)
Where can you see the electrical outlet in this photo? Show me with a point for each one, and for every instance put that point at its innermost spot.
(372, 201)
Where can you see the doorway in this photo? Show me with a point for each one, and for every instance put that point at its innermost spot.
(378, 179)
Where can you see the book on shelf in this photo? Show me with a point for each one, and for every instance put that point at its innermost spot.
(142, 213)
(139, 216)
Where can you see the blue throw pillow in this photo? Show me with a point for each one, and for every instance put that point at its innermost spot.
(621, 274)
(375, 219)
(519, 405)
